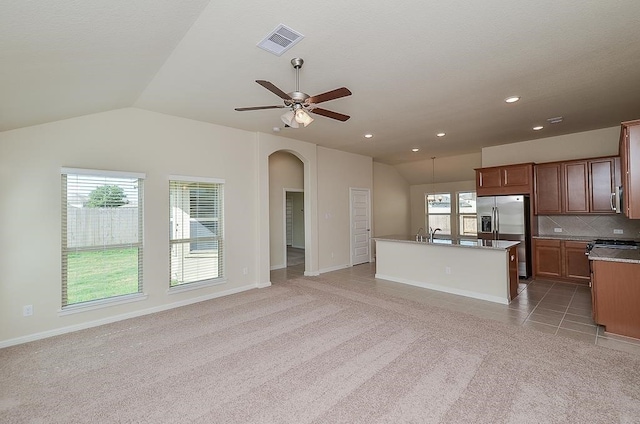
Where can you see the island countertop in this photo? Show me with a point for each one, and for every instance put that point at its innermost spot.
(614, 255)
(454, 242)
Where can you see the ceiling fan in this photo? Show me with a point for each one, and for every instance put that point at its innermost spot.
(299, 103)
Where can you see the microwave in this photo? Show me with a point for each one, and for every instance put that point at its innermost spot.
(617, 199)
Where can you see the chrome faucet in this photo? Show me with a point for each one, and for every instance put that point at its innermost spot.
(419, 235)
(432, 233)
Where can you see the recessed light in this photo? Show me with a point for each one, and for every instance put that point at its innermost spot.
(368, 135)
(440, 134)
(538, 128)
(415, 150)
(512, 99)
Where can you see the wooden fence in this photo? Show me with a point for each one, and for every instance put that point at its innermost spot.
(88, 227)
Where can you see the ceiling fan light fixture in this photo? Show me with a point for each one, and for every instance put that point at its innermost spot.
(302, 117)
(289, 119)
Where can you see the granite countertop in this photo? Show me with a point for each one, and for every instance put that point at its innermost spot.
(454, 242)
(614, 255)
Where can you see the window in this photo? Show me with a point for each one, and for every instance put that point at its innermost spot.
(196, 230)
(101, 235)
(439, 212)
(467, 219)
(457, 220)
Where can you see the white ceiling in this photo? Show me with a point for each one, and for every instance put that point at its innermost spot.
(415, 67)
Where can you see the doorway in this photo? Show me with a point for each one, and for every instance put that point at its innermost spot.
(360, 206)
(294, 227)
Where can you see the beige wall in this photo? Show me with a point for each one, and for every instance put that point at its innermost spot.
(286, 171)
(121, 140)
(391, 201)
(417, 199)
(447, 169)
(158, 145)
(337, 172)
(588, 144)
(297, 218)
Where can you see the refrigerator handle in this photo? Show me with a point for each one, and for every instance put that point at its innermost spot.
(497, 222)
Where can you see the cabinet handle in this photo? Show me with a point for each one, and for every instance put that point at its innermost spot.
(613, 207)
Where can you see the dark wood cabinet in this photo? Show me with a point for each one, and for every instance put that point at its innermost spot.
(616, 295)
(602, 182)
(548, 189)
(562, 260)
(575, 187)
(630, 165)
(548, 258)
(505, 180)
(513, 272)
(576, 263)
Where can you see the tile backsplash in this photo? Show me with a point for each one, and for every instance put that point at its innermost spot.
(600, 226)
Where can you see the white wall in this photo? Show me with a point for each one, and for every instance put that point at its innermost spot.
(297, 218)
(121, 140)
(391, 201)
(337, 172)
(588, 144)
(286, 171)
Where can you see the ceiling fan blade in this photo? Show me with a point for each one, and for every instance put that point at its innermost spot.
(330, 114)
(242, 109)
(275, 90)
(329, 95)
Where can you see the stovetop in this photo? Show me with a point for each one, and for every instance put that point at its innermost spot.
(614, 244)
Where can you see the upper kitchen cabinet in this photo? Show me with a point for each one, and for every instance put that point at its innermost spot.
(630, 167)
(575, 187)
(505, 180)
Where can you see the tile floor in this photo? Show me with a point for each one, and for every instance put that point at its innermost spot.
(558, 309)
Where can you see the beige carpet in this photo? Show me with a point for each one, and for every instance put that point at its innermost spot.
(313, 351)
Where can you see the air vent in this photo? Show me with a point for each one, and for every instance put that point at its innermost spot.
(555, 120)
(280, 40)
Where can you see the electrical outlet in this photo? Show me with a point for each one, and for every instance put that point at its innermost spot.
(27, 310)
(557, 230)
(618, 231)
(245, 270)
(447, 270)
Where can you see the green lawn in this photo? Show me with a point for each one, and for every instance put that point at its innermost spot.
(98, 275)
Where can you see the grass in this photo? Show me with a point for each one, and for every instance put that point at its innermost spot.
(103, 274)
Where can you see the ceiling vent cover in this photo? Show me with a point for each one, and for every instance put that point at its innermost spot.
(280, 40)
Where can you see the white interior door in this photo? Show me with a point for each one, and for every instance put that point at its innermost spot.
(360, 226)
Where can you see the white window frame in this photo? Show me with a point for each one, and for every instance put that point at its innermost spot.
(66, 248)
(459, 214)
(428, 214)
(176, 239)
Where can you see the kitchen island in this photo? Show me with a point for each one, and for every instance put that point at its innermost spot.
(481, 269)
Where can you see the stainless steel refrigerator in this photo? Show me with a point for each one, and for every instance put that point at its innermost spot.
(507, 218)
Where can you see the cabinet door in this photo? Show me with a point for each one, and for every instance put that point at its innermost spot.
(515, 176)
(576, 187)
(547, 189)
(576, 263)
(632, 190)
(624, 167)
(602, 180)
(488, 178)
(548, 258)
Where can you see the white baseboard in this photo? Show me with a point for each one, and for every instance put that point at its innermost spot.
(264, 285)
(274, 267)
(116, 318)
(445, 289)
(311, 273)
(334, 268)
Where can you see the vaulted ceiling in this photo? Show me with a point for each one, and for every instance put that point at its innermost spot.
(415, 67)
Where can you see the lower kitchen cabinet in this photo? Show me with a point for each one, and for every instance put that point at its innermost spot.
(562, 260)
(616, 296)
